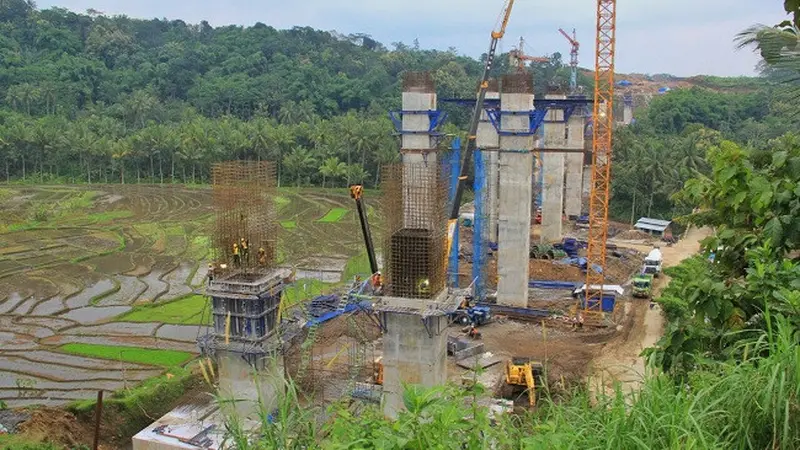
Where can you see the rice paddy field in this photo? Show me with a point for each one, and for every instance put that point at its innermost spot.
(101, 287)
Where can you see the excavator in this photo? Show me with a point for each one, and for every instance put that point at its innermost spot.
(524, 373)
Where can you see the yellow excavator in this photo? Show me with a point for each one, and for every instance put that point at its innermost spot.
(524, 373)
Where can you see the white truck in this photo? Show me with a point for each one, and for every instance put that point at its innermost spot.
(652, 263)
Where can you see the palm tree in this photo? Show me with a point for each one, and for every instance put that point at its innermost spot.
(780, 49)
(332, 168)
(298, 162)
(356, 174)
(120, 150)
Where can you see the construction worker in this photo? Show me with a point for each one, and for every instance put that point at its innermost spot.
(237, 260)
(245, 250)
(580, 320)
(424, 287)
(211, 272)
(262, 256)
(473, 332)
(376, 282)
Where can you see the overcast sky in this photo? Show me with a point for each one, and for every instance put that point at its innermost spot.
(681, 37)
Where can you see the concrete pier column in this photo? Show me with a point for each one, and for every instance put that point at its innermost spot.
(573, 191)
(514, 206)
(488, 142)
(418, 144)
(413, 353)
(553, 173)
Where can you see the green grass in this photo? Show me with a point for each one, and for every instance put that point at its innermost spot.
(289, 224)
(334, 215)
(282, 201)
(304, 289)
(357, 265)
(153, 357)
(183, 311)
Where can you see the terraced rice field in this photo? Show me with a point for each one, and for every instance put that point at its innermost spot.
(87, 273)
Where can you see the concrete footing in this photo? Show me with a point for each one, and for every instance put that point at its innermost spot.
(414, 352)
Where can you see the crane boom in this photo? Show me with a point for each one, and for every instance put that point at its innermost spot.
(573, 62)
(603, 128)
(473, 124)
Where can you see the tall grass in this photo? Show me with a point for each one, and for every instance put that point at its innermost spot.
(747, 404)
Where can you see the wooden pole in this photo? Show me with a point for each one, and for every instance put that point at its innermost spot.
(98, 412)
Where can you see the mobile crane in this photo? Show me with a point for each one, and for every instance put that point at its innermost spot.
(473, 125)
(357, 194)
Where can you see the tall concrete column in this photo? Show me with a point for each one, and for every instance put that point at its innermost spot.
(514, 207)
(573, 192)
(415, 346)
(553, 173)
(418, 145)
(412, 356)
(488, 141)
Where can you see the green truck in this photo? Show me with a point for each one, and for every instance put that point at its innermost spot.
(643, 285)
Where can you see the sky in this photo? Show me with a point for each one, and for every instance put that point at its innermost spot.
(680, 37)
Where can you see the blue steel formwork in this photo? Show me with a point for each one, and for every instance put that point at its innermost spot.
(455, 170)
(480, 229)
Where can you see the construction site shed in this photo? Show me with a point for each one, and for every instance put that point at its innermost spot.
(657, 227)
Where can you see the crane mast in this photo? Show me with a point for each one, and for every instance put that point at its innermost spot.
(603, 128)
(473, 124)
(573, 60)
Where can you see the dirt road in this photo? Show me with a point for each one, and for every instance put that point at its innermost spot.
(620, 359)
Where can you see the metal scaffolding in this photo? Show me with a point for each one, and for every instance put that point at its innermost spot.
(244, 235)
(415, 207)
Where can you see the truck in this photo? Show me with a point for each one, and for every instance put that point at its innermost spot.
(652, 263)
(643, 285)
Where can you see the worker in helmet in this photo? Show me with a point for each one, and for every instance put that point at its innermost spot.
(237, 259)
(211, 272)
(377, 282)
(245, 250)
(262, 256)
(424, 287)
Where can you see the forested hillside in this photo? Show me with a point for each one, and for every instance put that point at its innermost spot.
(90, 98)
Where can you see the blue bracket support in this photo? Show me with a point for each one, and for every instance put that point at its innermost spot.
(536, 118)
(455, 171)
(435, 117)
(478, 228)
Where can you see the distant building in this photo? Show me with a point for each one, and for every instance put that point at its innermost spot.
(655, 227)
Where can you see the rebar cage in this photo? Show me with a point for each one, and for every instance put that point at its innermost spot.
(415, 208)
(245, 233)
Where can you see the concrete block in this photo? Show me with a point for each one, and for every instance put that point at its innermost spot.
(238, 381)
(413, 356)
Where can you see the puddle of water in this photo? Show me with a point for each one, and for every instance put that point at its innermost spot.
(10, 385)
(200, 276)
(23, 308)
(82, 299)
(6, 323)
(94, 314)
(54, 323)
(185, 333)
(24, 403)
(49, 307)
(11, 341)
(48, 395)
(177, 282)
(10, 303)
(57, 372)
(116, 329)
(155, 287)
(129, 289)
